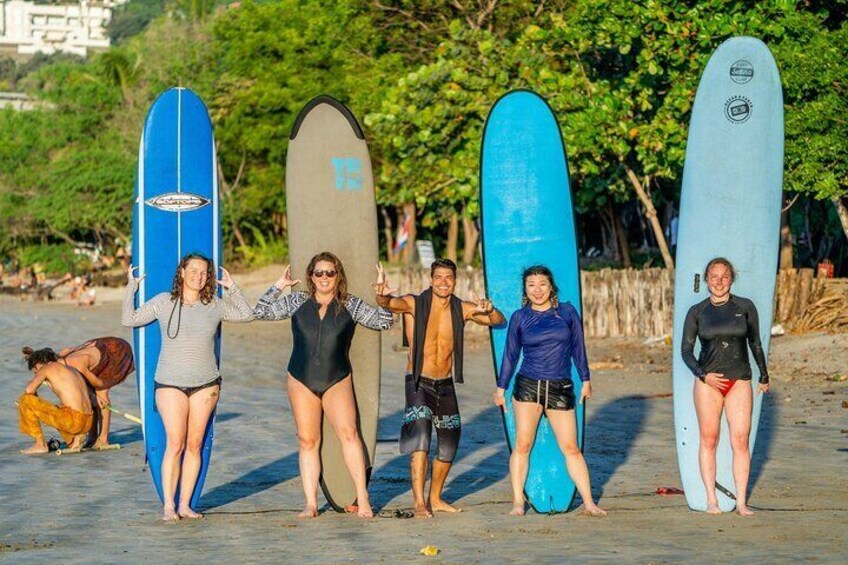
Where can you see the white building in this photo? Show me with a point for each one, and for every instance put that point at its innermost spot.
(73, 27)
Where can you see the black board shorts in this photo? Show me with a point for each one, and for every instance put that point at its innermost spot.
(552, 395)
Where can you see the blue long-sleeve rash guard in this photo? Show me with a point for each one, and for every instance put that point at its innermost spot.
(551, 341)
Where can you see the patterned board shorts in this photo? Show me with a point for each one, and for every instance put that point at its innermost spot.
(432, 405)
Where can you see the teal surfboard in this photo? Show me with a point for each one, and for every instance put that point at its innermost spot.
(528, 219)
(730, 207)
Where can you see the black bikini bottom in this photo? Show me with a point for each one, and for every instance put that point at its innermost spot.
(188, 390)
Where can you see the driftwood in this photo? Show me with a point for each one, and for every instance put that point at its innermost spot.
(826, 310)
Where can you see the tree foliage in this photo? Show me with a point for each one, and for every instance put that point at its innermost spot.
(421, 76)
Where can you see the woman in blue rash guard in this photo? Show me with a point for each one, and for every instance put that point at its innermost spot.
(550, 334)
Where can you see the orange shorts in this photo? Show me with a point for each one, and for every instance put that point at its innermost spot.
(35, 411)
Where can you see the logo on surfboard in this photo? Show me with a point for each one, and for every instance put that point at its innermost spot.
(348, 173)
(177, 202)
(738, 109)
(741, 72)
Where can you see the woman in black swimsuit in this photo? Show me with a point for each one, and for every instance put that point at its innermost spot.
(323, 321)
(726, 325)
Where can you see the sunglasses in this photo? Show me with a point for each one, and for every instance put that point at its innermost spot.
(328, 274)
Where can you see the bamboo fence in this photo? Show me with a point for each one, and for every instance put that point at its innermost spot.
(640, 303)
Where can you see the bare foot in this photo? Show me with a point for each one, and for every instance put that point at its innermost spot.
(187, 512)
(517, 510)
(442, 506)
(35, 450)
(594, 511)
(743, 510)
(170, 515)
(712, 508)
(422, 512)
(100, 444)
(308, 512)
(364, 510)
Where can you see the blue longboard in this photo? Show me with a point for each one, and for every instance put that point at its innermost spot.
(176, 212)
(528, 219)
(730, 207)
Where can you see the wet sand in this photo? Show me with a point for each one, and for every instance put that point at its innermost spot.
(101, 507)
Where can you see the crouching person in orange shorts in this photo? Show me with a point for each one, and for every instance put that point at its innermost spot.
(73, 417)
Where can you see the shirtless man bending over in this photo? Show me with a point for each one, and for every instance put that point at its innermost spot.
(72, 418)
(435, 362)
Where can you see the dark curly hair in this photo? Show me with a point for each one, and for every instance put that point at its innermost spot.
(43, 356)
(208, 291)
(538, 270)
(341, 279)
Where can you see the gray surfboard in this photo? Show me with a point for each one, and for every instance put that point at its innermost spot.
(330, 206)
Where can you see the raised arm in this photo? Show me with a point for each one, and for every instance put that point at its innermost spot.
(272, 306)
(234, 306)
(374, 318)
(482, 312)
(144, 314)
(687, 346)
(384, 295)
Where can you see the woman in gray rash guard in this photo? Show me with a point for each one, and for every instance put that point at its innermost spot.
(187, 380)
(319, 371)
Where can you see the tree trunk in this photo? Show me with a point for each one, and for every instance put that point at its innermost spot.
(842, 211)
(621, 239)
(453, 237)
(239, 236)
(608, 240)
(786, 251)
(470, 235)
(651, 212)
(228, 192)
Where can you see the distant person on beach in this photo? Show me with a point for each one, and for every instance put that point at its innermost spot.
(187, 381)
(726, 325)
(72, 418)
(105, 362)
(319, 381)
(550, 336)
(433, 364)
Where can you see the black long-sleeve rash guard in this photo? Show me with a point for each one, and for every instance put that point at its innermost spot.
(726, 331)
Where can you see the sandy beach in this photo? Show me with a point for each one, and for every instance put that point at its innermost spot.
(101, 507)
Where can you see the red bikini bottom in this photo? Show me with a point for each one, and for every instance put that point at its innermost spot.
(725, 388)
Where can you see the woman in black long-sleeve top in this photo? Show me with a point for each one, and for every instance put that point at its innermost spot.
(727, 325)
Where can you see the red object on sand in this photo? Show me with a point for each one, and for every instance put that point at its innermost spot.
(668, 491)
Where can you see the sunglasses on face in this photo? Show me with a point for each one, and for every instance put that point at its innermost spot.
(328, 274)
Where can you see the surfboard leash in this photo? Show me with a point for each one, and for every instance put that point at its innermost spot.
(726, 492)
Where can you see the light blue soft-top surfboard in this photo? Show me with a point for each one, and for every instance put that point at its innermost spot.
(528, 219)
(730, 207)
(176, 212)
